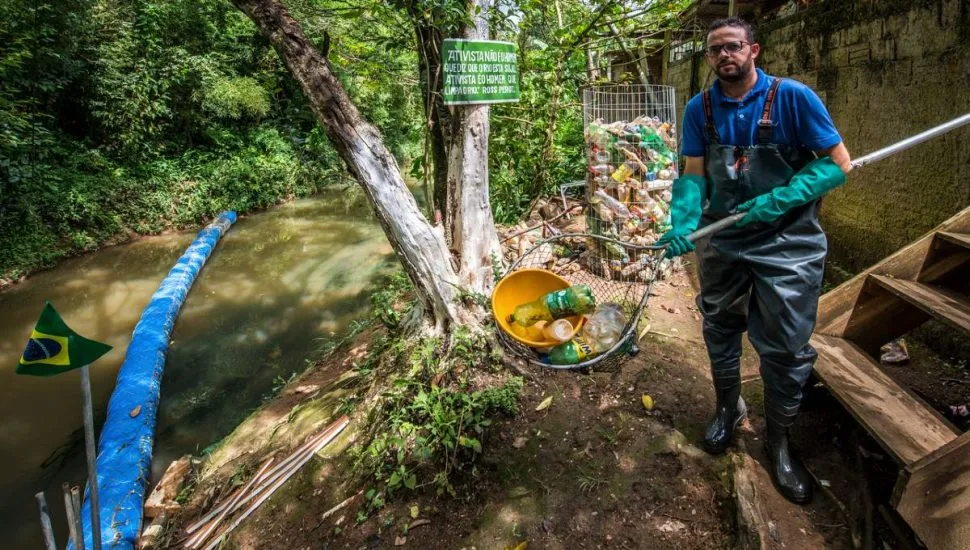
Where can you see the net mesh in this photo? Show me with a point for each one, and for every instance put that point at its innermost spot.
(631, 147)
(631, 152)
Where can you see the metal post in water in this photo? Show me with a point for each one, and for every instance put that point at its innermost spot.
(76, 505)
(92, 455)
(45, 522)
(73, 523)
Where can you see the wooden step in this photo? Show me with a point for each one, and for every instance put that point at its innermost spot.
(835, 308)
(948, 253)
(902, 423)
(933, 496)
(962, 239)
(949, 307)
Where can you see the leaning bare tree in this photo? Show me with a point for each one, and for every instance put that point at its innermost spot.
(439, 260)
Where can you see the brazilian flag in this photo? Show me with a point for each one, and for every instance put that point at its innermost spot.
(54, 348)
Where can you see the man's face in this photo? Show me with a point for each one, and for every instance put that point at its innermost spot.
(730, 54)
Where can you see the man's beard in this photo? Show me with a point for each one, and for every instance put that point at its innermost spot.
(743, 70)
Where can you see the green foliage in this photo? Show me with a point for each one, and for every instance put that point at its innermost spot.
(236, 97)
(432, 435)
(142, 116)
(386, 303)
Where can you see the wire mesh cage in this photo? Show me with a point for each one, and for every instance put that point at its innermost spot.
(631, 146)
(631, 151)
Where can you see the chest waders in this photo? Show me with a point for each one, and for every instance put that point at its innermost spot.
(764, 278)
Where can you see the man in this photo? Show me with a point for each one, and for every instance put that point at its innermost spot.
(766, 146)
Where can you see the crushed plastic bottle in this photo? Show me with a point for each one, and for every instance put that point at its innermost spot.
(616, 206)
(603, 329)
(575, 300)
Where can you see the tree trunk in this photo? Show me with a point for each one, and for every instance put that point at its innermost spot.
(472, 229)
(420, 247)
(592, 71)
(436, 114)
(642, 72)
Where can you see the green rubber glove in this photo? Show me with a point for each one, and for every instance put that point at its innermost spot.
(811, 182)
(686, 204)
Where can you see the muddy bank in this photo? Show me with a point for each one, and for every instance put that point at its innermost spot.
(594, 469)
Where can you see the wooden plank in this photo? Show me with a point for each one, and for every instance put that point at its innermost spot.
(962, 239)
(903, 424)
(936, 499)
(948, 253)
(835, 306)
(949, 307)
(879, 316)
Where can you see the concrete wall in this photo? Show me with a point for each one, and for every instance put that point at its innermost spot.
(886, 70)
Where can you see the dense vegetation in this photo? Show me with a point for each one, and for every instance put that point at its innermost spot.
(133, 117)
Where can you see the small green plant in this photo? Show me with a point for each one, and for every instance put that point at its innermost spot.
(470, 297)
(384, 302)
(347, 404)
(279, 382)
(432, 434)
(610, 436)
(590, 482)
(498, 270)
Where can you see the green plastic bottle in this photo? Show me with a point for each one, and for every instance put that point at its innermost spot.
(575, 300)
(572, 352)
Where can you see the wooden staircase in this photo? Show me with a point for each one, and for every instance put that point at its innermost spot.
(929, 279)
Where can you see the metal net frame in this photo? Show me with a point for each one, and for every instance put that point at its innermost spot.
(617, 255)
(564, 255)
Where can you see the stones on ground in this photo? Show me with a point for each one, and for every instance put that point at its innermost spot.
(520, 442)
(163, 495)
(671, 526)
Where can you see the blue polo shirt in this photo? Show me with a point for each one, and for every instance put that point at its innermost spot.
(799, 116)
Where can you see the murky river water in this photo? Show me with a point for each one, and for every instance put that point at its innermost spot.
(278, 285)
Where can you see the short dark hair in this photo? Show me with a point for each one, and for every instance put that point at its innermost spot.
(735, 22)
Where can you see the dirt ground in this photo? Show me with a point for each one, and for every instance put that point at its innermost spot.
(593, 470)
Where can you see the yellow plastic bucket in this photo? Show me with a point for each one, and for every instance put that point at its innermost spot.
(523, 286)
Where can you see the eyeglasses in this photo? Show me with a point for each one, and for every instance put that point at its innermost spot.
(729, 47)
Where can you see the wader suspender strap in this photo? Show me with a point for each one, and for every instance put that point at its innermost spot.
(712, 135)
(765, 126)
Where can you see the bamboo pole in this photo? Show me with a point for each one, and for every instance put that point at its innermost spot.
(267, 490)
(45, 522)
(199, 537)
(76, 505)
(72, 519)
(268, 476)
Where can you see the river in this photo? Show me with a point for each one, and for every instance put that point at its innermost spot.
(279, 284)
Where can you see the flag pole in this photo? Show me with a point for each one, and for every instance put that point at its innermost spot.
(92, 455)
(45, 522)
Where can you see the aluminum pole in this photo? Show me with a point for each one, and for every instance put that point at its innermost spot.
(859, 162)
(911, 141)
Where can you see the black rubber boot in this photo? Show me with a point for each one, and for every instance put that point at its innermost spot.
(730, 411)
(787, 471)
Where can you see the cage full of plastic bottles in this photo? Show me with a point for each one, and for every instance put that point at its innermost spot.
(602, 273)
(631, 151)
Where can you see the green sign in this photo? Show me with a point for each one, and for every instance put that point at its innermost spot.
(480, 71)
